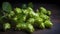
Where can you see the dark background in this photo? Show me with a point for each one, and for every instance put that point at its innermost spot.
(53, 6)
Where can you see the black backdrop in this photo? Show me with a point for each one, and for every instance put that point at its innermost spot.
(34, 1)
(56, 2)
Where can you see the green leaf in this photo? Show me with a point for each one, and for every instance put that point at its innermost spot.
(6, 7)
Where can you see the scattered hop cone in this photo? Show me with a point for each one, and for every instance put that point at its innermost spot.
(23, 26)
(30, 28)
(43, 10)
(48, 23)
(18, 10)
(11, 14)
(15, 18)
(49, 13)
(30, 9)
(22, 18)
(25, 11)
(33, 14)
(20, 26)
(31, 20)
(42, 25)
(44, 16)
(38, 20)
(6, 26)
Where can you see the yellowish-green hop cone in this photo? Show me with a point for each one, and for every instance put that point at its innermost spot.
(42, 26)
(48, 23)
(49, 13)
(30, 28)
(18, 10)
(21, 26)
(6, 26)
(31, 20)
(43, 10)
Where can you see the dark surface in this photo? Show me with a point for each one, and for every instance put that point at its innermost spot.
(55, 18)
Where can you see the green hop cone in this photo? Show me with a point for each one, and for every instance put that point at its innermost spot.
(31, 20)
(43, 10)
(42, 25)
(23, 26)
(32, 13)
(30, 28)
(48, 23)
(30, 10)
(15, 18)
(6, 26)
(18, 10)
(25, 11)
(49, 13)
(20, 26)
(44, 16)
(22, 17)
(38, 20)
(11, 14)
